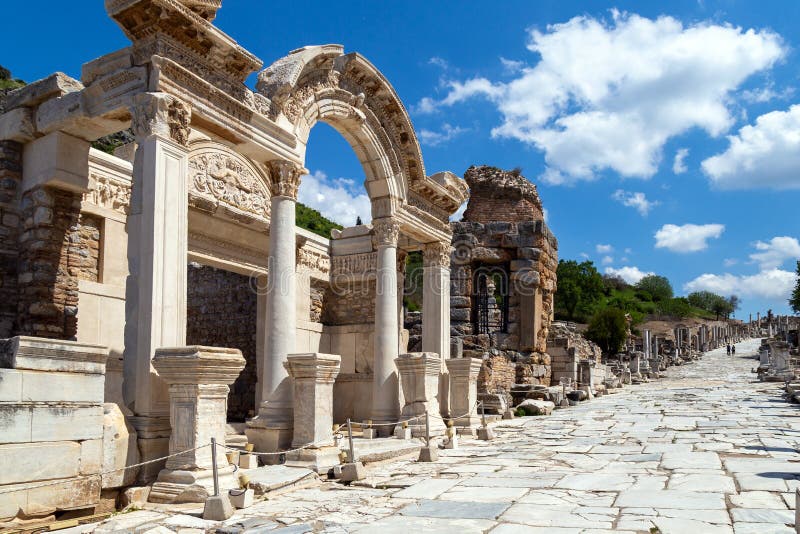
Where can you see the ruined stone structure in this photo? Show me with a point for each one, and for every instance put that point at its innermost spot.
(97, 248)
(503, 279)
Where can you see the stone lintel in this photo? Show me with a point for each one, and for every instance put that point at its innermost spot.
(428, 363)
(54, 86)
(40, 354)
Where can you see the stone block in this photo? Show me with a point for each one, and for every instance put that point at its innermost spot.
(218, 508)
(17, 125)
(460, 314)
(428, 454)
(248, 461)
(91, 456)
(402, 433)
(39, 354)
(10, 386)
(136, 496)
(460, 302)
(536, 407)
(60, 423)
(352, 472)
(54, 86)
(119, 448)
(62, 387)
(56, 160)
(29, 462)
(529, 253)
(15, 423)
(485, 433)
(70, 495)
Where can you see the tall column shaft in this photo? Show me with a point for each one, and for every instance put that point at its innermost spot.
(272, 428)
(385, 392)
(436, 312)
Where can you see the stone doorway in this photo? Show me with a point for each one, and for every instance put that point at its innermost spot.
(221, 311)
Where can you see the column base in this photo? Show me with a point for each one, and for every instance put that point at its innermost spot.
(179, 486)
(320, 460)
(383, 428)
(153, 434)
(437, 428)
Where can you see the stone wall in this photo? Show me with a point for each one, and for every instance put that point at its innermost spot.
(221, 311)
(502, 196)
(503, 234)
(87, 242)
(51, 427)
(10, 178)
(49, 262)
(353, 304)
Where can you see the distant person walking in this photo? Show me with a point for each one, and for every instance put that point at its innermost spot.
(729, 349)
(733, 349)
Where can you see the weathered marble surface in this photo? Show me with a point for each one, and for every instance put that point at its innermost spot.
(706, 450)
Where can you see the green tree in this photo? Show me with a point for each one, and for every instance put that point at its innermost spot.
(580, 290)
(703, 299)
(677, 307)
(312, 220)
(609, 329)
(658, 286)
(794, 301)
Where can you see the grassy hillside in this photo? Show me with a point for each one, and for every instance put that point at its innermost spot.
(312, 220)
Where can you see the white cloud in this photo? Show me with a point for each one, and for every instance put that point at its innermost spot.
(687, 238)
(766, 93)
(730, 262)
(546, 215)
(433, 138)
(607, 260)
(634, 200)
(766, 154)
(511, 66)
(773, 254)
(459, 212)
(335, 199)
(679, 163)
(603, 249)
(609, 94)
(439, 62)
(584, 255)
(632, 275)
(772, 284)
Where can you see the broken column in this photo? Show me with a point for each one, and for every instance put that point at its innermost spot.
(464, 392)
(313, 375)
(198, 379)
(419, 377)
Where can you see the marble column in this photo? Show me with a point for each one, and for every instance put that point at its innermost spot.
(464, 392)
(313, 376)
(436, 312)
(155, 298)
(385, 392)
(271, 429)
(198, 379)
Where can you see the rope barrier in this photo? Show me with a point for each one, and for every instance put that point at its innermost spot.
(308, 446)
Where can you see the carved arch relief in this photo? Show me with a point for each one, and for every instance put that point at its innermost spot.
(224, 182)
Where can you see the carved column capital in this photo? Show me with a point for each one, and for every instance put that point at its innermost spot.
(385, 233)
(436, 254)
(285, 176)
(163, 115)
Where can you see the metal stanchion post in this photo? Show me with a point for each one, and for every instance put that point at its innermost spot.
(350, 440)
(214, 465)
(427, 430)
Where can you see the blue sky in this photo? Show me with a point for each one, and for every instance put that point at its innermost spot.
(661, 136)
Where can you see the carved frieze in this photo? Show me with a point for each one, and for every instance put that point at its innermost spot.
(354, 264)
(161, 114)
(217, 173)
(110, 193)
(314, 260)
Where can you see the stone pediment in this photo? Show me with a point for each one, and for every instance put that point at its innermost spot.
(225, 183)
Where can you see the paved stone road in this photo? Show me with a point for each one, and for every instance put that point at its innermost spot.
(706, 450)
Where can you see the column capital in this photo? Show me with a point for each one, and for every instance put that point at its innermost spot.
(385, 233)
(162, 115)
(285, 176)
(436, 254)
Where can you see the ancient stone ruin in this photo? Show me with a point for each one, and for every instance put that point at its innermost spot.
(503, 271)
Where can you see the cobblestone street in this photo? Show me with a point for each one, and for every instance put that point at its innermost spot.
(706, 450)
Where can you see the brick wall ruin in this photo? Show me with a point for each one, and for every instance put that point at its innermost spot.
(352, 304)
(503, 278)
(221, 311)
(10, 178)
(49, 262)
